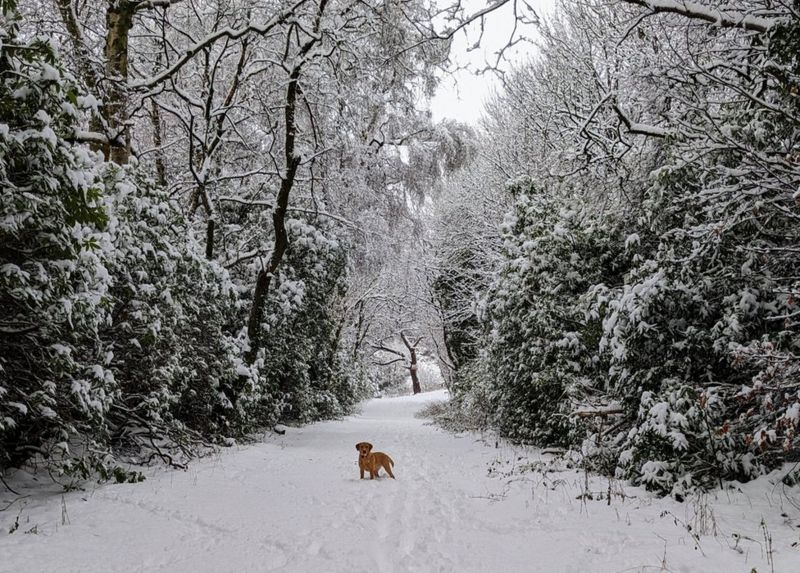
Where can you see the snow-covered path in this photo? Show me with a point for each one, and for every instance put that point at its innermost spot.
(296, 504)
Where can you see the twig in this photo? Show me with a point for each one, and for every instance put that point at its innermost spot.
(8, 487)
(13, 501)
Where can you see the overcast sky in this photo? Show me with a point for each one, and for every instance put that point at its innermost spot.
(462, 94)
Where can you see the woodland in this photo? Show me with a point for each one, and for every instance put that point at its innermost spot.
(218, 216)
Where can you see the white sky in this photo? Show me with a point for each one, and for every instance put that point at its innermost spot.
(461, 95)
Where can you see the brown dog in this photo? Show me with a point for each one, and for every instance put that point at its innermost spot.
(372, 461)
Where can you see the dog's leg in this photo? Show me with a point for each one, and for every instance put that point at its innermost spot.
(362, 472)
(387, 465)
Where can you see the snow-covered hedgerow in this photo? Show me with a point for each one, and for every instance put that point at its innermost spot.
(119, 340)
(542, 344)
(656, 269)
(54, 282)
(173, 318)
(113, 327)
(302, 375)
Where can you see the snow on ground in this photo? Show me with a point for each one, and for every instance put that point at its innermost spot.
(295, 503)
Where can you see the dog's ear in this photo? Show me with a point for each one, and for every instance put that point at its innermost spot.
(358, 445)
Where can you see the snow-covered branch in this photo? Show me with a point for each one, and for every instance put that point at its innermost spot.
(84, 136)
(717, 17)
(229, 33)
(639, 128)
(150, 4)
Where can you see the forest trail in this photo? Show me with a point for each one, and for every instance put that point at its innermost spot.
(296, 504)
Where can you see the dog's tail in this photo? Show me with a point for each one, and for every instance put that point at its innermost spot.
(391, 461)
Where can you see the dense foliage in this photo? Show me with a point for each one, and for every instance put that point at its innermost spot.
(121, 340)
(644, 307)
(53, 279)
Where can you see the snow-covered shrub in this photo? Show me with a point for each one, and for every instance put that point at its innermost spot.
(172, 319)
(114, 329)
(302, 376)
(55, 380)
(708, 307)
(542, 341)
(681, 440)
(471, 406)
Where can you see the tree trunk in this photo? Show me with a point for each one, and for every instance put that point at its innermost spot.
(448, 341)
(257, 314)
(119, 20)
(413, 370)
(361, 330)
(158, 141)
(292, 162)
(88, 72)
(278, 222)
(81, 53)
(210, 239)
(335, 344)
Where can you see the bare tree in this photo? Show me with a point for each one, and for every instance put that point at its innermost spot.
(408, 360)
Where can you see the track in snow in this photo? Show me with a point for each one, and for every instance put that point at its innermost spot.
(296, 504)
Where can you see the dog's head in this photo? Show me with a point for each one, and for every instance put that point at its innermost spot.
(364, 449)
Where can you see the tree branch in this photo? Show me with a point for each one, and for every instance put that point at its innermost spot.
(150, 4)
(83, 54)
(230, 33)
(383, 348)
(81, 136)
(390, 362)
(697, 11)
(639, 128)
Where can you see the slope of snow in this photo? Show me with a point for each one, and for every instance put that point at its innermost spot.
(295, 503)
